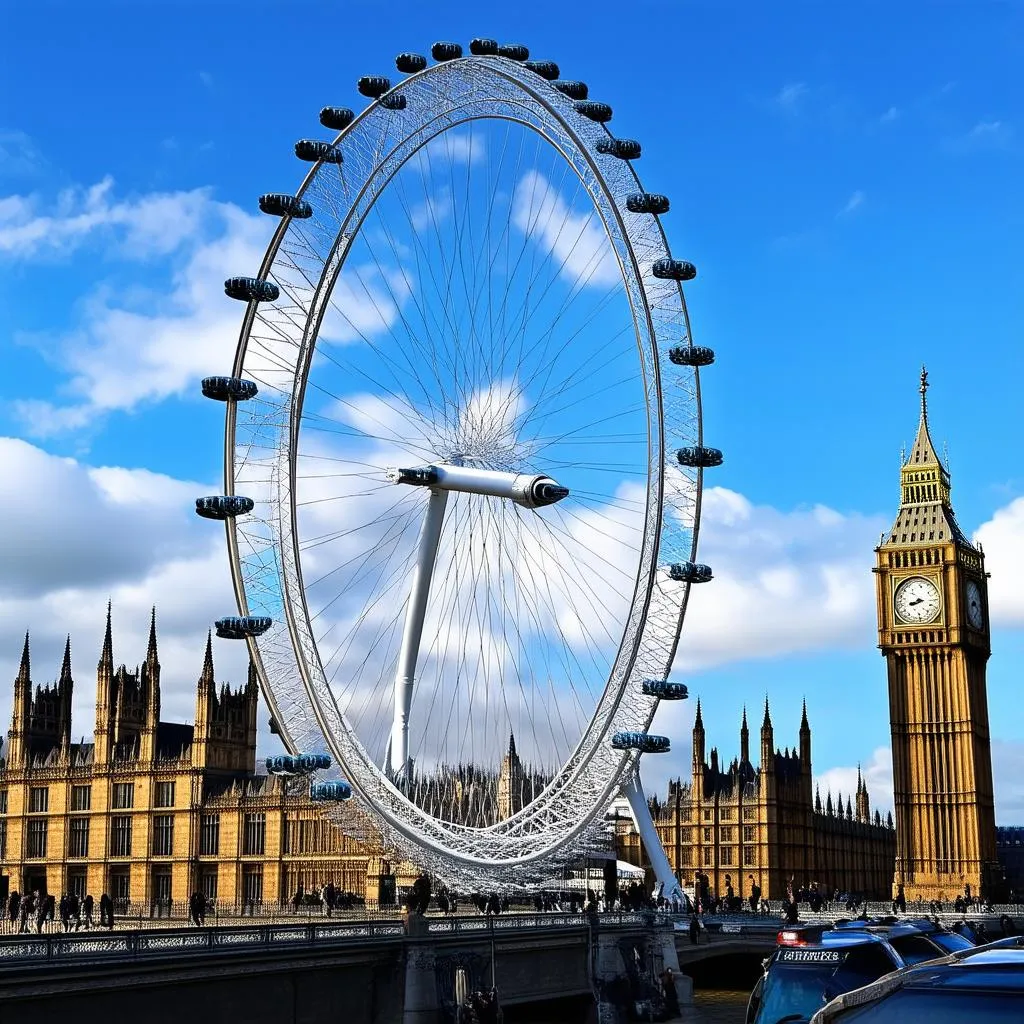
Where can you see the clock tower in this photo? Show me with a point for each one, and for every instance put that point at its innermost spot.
(933, 631)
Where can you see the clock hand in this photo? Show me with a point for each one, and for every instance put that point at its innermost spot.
(916, 601)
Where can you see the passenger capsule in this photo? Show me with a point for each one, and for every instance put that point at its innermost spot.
(315, 149)
(689, 572)
(279, 205)
(250, 289)
(674, 270)
(410, 63)
(645, 742)
(545, 68)
(238, 627)
(483, 47)
(699, 457)
(692, 355)
(647, 202)
(226, 389)
(624, 149)
(275, 729)
(599, 112)
(336, 118)
(446, 51)
(574, 90)
(395, 101)
(514, 51)
(330, 791)
(373, 86)
(223, 506)
(665, 689)
(282, 764)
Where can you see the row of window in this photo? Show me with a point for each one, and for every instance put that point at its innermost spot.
(122, 797)
(725, 835)
(254, 836)
(724, 814)
(725, 856)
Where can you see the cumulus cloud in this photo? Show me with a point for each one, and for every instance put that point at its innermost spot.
(775, 592)
(1002, 537)
(577, 241)
(75, 536)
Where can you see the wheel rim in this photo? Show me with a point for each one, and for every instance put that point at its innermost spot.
(276, 348)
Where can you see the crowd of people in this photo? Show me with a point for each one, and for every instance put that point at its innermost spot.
(38, 911)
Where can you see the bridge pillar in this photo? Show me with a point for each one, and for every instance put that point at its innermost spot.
(421, 1002)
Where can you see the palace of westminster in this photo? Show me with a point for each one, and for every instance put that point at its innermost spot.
(150, 811)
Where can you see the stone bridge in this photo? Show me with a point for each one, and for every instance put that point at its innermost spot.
(377, 972)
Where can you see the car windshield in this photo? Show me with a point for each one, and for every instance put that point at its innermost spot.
(794, 991)
(910, 1006)
(951, 942)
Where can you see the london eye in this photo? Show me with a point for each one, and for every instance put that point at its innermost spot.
(463, 461)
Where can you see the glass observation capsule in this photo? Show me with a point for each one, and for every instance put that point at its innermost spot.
(674, 270)
(238, 627)
(313, 762)
(337, 118)
(545, 68)
(514, 51)
(313, 150)
(599, 112)
(645, 742)
(281, 764)
(665, 689)
(574, 90)
(277, 204)
(330, 791)
(446, 51)
(373, 86)
(647, 202)
(223, 506)
(250, 289)
(692, 355)
(410, 63)
(624, 149)
(690, 572)
(225, 389)
(699, 457)
(396, 101)
(483, 47)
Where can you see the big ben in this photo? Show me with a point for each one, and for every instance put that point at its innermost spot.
(933, 631)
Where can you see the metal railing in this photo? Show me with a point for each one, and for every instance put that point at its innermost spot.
(20, 951)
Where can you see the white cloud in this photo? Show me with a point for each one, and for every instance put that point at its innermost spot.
(890, 115)
(150, 225)
(855, 201)
(1002, 538)
(576, 240)
(984, 135)
(75, 536)
(774, 591)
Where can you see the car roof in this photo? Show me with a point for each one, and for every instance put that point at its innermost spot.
(998, 965)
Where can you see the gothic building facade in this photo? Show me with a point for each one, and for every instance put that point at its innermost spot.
(151, 811)
(933, 631)
(769, 823)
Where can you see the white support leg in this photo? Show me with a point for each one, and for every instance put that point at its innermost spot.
(426, 556)
(641, 814)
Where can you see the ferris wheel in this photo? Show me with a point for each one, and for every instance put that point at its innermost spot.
(463, 462)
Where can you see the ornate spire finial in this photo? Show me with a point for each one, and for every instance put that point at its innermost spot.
(107, 656)
(25, 669)
(767, 723)
(151, 654)
(924, 391)
(804, 724)
(698, 722)
(207, 676)
(65, 668)
(744, 725)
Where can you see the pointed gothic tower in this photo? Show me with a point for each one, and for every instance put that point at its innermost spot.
(933, 631)
(767, 756)
(17, 737)
(863, 804)
(150, 685)
(106, 698)
(697, 777)
(510, 782)
(744, 739)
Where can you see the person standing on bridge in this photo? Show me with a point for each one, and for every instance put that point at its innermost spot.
(106, 911)
(755, 894)
(87, 905)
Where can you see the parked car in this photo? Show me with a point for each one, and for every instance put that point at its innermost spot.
(811, 966)
(982, 985)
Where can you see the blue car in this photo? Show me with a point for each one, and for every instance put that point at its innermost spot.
(813, 965)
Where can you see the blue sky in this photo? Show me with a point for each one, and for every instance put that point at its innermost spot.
(847, 181)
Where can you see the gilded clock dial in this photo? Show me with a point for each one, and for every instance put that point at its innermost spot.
(917, 601)
(975, 609)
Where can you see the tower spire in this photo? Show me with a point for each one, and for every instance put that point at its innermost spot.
(65, 668)
(107, 655)
(25, 668)
(744, 738)
(767, 723)
(151, 653)
(922, 452)
(207, 676)
(698, 721)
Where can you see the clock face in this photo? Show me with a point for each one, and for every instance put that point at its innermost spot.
(917, 601)
(975, 609)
